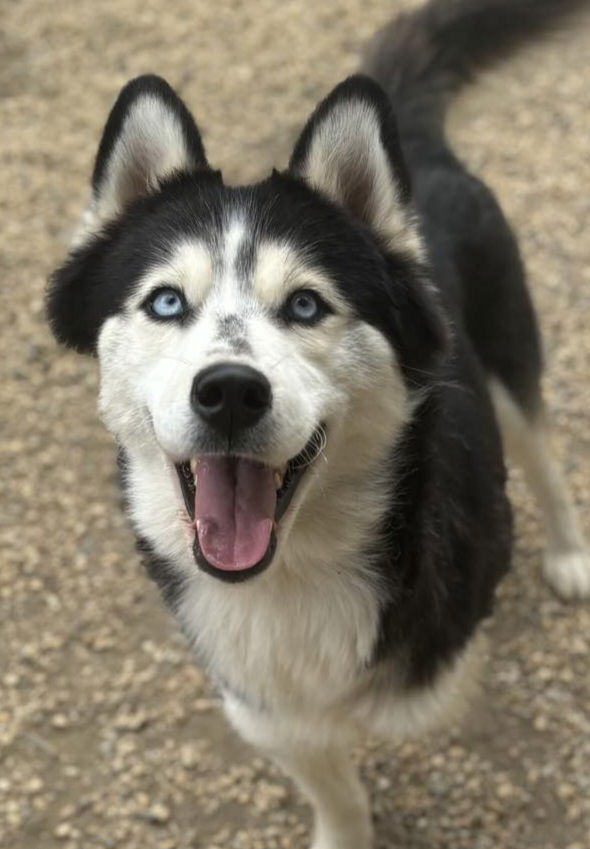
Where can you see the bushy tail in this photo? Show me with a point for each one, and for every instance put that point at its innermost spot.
(423, 57)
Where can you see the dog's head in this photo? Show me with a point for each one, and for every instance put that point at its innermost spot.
(248, 334)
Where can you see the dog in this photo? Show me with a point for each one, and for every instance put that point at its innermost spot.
(312, 381)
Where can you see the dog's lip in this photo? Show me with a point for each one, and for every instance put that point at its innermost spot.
(287, 476)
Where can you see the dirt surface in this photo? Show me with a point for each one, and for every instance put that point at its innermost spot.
(109, 735)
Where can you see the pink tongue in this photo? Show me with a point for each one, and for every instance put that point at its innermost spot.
(234, 511)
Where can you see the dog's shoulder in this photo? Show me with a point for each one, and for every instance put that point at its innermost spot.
(448, 534)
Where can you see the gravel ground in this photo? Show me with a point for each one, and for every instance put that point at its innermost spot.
(109, 735)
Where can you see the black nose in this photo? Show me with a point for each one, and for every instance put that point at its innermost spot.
(230, 397)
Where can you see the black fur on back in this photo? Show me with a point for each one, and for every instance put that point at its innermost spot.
(421, 59)
(449, 544)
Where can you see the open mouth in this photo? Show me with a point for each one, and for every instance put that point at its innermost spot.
(235, 504)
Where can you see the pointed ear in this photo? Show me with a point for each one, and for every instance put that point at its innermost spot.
(350, 151)
(149, 135)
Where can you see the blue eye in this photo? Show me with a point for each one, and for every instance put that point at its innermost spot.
(305, 307)
(166, 303)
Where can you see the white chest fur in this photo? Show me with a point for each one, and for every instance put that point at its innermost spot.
(287, 639)
(294, 641)
(299, 632)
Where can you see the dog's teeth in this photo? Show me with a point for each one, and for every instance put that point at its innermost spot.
(194, 463)
(278, 480)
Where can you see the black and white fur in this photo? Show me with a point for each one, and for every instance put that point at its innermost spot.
(366, 619)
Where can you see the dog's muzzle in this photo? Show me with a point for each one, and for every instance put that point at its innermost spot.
(236, 504)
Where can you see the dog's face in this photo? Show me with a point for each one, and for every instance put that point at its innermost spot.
(257, 338)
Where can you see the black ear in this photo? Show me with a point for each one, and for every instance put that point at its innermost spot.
(149, 134)
(81, 295)
(350, 151)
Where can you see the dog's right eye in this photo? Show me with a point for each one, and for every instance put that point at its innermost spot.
(165, 304)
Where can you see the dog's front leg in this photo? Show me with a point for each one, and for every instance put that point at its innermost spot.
(325, 774)
(330, 781)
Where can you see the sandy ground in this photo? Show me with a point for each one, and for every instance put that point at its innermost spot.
(109, 735)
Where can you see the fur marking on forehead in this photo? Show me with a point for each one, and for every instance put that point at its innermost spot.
(281, 269)
(237, 252)
(232, 239)
(189, 266)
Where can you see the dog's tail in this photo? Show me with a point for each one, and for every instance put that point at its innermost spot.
(425, 56)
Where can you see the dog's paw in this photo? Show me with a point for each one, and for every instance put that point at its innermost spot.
(328, 839)
(568, 573)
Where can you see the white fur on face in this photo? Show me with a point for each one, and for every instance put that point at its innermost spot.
(317, 374)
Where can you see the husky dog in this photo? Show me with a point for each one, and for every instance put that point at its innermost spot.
(308, 379)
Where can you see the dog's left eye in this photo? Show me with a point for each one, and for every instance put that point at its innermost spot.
(305, 307)
(166, 303)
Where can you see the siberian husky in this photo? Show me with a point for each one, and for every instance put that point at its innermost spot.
(310, 380)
